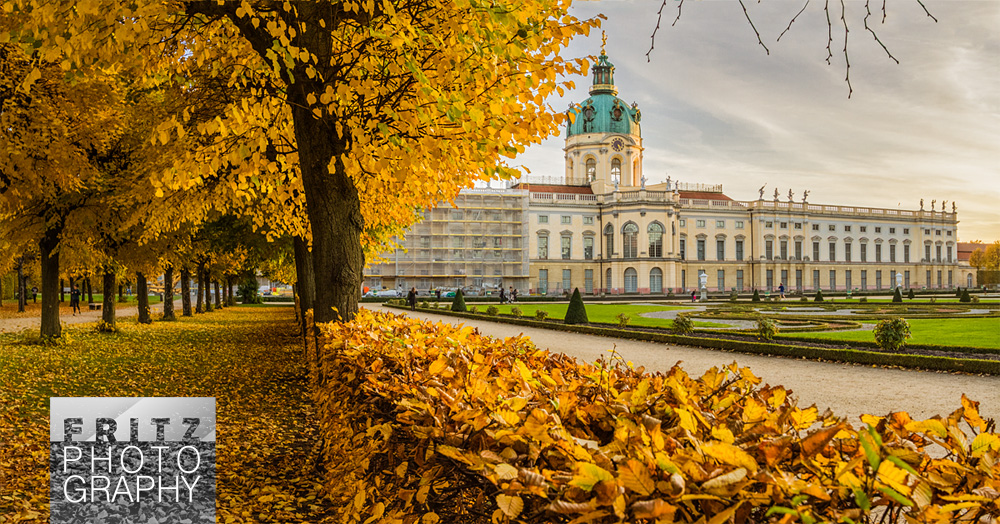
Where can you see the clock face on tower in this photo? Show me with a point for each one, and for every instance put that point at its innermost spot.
(618, 144)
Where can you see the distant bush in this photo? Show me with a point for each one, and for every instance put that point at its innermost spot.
(897, 296)
(577, 312)
(819, 295)
(965, 296)
(766, 328)
(458, 304)
(623, 320)
(683, 324)
(541, 314)
(756, 296)
(424, 304)
(909, 294)
(975, 299)
(473, 309)
(492, 311)
(862, 300)
(516, 311)
(891, 334)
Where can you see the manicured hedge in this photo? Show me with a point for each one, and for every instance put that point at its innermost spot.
(991, 367)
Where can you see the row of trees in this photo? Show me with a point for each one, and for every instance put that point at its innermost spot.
(130, 126)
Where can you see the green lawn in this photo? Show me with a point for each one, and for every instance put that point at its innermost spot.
(970, 332)
(132, 299)
(603, 313)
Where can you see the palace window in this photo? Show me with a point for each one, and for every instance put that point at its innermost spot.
(847, 251)
(739, 250)
(720, 223)
(798, 250)
(656, 280)
(892, 252)
(588, 248)
(878, 229)
(543, 219)
(699, 223)
(815, 251)
(864, 252)
(683, 245)
(720, 249)
(591, 169)
(701, 249)
(784, 225)
(566, 219)
(588, 221)
(543, 247)
(739, 224)
(609, 241)
(768, 249)
(655, 232)
(616, 171)
(630, 240)
(815, 227)
(833, 251)
(784, 250)
(833, 227)
(565, 247)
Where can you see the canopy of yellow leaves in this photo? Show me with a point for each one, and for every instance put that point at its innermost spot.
(455, 425)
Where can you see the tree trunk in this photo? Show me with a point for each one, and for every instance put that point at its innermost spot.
(168, 294)
(208, 293)
(121, 292)
(22, 300)
(185, 292)
(198, 308)
(232, 294)
(306, 285)
(90, 290)
(218, 295)
(108, 302)
(334, 210)
(62, 291)
(142, 296)
(50, 280)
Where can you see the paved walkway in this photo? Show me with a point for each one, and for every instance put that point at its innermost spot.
(9, 325)
(848, 389)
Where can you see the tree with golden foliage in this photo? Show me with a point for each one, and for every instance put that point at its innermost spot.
(381, 106)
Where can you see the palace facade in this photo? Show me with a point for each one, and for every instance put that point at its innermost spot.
(602, 229)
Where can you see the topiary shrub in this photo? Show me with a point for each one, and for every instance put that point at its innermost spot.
(458, 304)
(623, 320)
(891, 334)
(492, 311)
(541, 314)
(756, 296)
(965, 296)
(576, 313)
(733, 296)
(863, 300)
(766, 328)
(819, 295)
(975, 299)
(683, 324)
(473, 309)
(909, 294)
(958, 292)
(424, 304)
(897, 296)
(804, 299)
(516, 311)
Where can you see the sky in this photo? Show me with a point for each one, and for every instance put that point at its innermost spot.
(718, 109)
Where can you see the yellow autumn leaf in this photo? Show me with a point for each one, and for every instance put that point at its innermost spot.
(730, 454)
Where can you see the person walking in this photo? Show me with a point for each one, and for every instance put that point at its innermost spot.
(34, 294)
(781, 290)
(74, 300)
(512, 294)
(694, 296)
(411, 299)
(503, 297)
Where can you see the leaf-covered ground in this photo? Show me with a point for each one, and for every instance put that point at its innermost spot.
(249, 359)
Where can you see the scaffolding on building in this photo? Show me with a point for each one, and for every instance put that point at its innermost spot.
(479, 245)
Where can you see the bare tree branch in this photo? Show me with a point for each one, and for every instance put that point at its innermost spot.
(872, 31)
(792, 21)
(659, 16)
(756, 32)
(847, 58)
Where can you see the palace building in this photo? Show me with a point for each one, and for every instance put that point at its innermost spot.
(602, 229)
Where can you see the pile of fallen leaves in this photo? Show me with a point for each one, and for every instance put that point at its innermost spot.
(427, 422)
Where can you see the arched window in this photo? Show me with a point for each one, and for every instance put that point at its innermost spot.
(630, 240)
(609, 241)
(655, 231)
(616, 171)
(656, 280)
(631, 280)
(591, 169)
(607, 279)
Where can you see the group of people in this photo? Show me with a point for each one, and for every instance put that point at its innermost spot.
(508, 298)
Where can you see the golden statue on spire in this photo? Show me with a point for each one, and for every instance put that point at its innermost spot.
(604, 42)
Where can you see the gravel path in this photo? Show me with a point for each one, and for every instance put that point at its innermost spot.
(848, 389)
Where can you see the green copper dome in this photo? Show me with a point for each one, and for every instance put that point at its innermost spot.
(603, 112)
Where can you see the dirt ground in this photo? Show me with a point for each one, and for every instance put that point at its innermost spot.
(848, 389)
